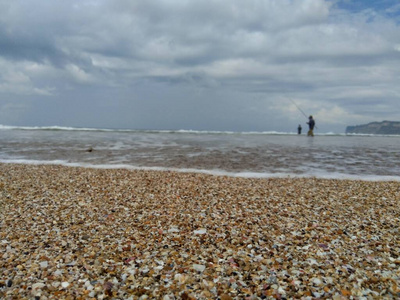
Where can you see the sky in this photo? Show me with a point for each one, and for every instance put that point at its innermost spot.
(224, 65)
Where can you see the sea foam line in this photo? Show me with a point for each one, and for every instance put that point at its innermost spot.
(165, 131)
(214, 172)
(180, 131)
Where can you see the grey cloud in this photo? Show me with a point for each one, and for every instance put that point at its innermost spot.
(319, 52)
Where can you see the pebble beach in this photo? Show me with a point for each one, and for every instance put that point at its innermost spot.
(80, 233)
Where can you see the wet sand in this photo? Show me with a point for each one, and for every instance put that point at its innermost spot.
(75, 233)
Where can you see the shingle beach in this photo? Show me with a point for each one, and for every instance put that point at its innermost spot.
(76, 233)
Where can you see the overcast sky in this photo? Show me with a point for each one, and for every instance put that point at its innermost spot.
(202, 65)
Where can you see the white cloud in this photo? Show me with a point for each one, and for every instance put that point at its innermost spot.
(78, 75)
(336, 114)
(14, 79)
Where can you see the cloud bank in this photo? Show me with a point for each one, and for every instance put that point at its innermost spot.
(214, 65)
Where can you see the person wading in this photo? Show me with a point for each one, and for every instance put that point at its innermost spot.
(311, 125)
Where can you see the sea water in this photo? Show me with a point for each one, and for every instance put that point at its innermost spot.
(246, 154)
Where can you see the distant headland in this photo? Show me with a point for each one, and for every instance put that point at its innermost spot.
(384, 127)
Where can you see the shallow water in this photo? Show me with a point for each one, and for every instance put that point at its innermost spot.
(239, 154)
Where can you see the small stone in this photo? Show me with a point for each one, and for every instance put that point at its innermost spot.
(200, 231)
(199, 268)
(38, 286)
(316, 281)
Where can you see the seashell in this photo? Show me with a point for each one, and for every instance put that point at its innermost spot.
(199, 268)
(316, 281)
(38, 286)
(173, 230)
(181, 278)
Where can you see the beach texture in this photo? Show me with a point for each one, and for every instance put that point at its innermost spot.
(76, 233)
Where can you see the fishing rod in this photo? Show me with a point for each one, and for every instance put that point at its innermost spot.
(300, 109)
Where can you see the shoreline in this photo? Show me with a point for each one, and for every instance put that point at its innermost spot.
(74, 232)
(216, 172)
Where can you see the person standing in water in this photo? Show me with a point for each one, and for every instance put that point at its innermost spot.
(311, 125)
(299, 129)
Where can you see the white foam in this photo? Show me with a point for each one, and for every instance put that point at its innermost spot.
(215, 172)
(178, 131)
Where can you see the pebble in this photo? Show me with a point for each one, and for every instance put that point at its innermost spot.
(199, 268)
(38, 286)
(75, 233)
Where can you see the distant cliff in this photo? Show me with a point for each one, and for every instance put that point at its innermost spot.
(385, 127)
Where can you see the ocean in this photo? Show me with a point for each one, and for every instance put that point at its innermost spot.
(243, 154)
